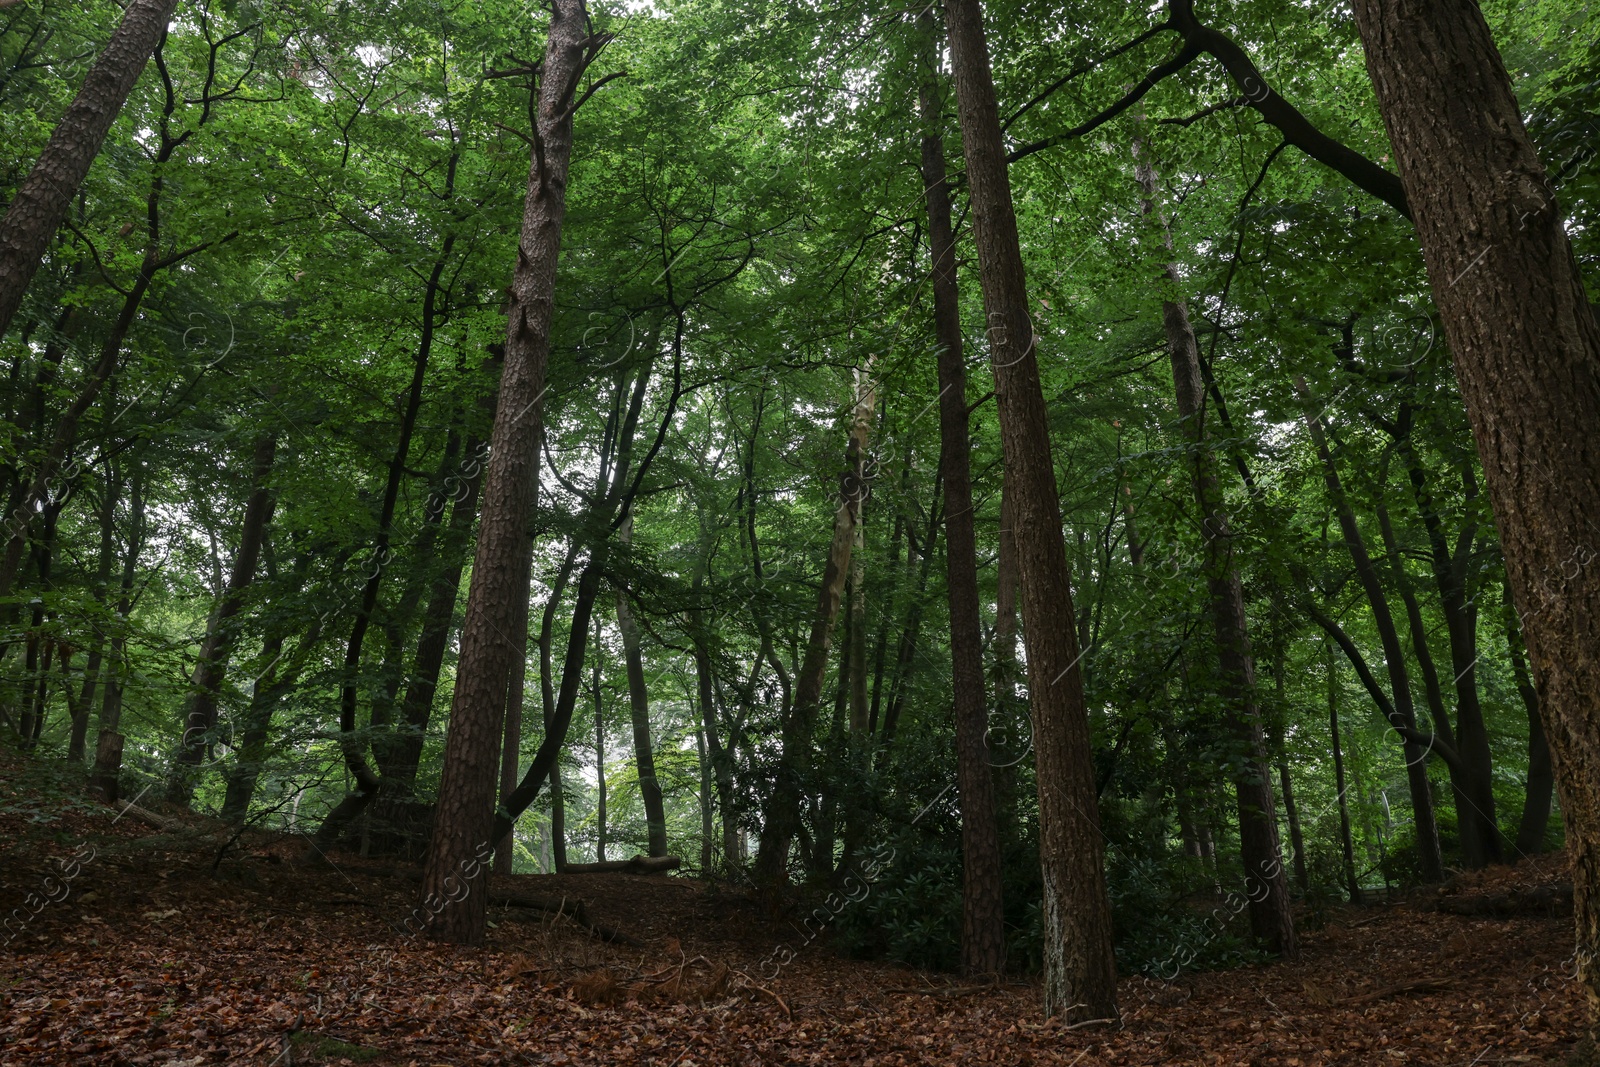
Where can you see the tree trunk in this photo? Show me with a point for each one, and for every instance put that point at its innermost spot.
(212, 666)
(108, 752)
(1271, 921)
(639, 706)
(1427, 830)
(1346, 842)
(983, 944)
(511, 749)
(1080, 968)
(102, 586)
(558, 814)
(1526, 348)
(465, 813)
(781, 817)
(43, 199)
(1541, 776)
(599, 750)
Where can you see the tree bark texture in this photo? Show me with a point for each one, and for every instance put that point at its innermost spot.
(464, 822)
(1080, 968)
(983, 946)
(44, 197)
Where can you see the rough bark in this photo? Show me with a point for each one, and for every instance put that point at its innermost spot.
(465, 814)
(1080, 968)
(983, 947)
(43, 199)
(1526, 347)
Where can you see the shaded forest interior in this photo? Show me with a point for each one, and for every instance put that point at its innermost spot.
(794, 531)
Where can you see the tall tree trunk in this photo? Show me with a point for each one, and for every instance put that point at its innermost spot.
(1346, 841)
(1271, 921)
(45, 196)
(655, 813)
(1541, 776)
(558, 813)
(108, 748)
(511, 748)
(212, 666)
(1526, 348)
(109, 489)
(1080, 967)
(599, 749)
(1427, 830)
(781, 817)
(983, 945)
(465, 814)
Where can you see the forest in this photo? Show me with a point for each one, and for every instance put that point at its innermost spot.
(1065, 516)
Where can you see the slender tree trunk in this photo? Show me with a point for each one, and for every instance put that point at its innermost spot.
(781, 817)
(1427, 830)
(1541, 775)
(1346, 841)
(511, 749)
(43, 199)
(558, 813)
(102, 584)
(983, 945)
(1080, 967)
(599, 749)
(465, 814)
(639, 706)
(210, 670)
(108, 748)
(1271, 921)
(1526, 348)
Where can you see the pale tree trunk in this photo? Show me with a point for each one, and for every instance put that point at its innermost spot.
(1080, 968)
(983, 944)
(45, 196)
(217, 647)
(781, 817)
(1266, 886)
(639, 706)
(463, 825)
(1526, 348)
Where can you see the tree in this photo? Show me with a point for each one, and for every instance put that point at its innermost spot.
(1526, 347)
(1080, 970)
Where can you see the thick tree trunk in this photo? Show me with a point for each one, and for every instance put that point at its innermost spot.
(1526, 348)
(1427, 830)
(43, 199)
(781, 816)
(983, 945)
(639, 706)
(1271, 921)
(465, 814)
(215, 650)
(1080, 968)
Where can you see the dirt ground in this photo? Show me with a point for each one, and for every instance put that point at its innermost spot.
(153, 952)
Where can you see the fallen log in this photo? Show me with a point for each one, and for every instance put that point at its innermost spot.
(637, 865)
(149, 818)
(1425, 985)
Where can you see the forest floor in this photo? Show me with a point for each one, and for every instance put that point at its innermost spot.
(158, 954)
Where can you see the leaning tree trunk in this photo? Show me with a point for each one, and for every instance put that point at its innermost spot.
(983, 943)
(1266, 886)
(218, 645)
(781, 816)
(1080, 967)
(1427, 830)
(1526, 348)
(45, 196)
(465, 815)
(639, 706)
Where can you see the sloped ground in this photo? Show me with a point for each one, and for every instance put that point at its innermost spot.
(154, 957)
